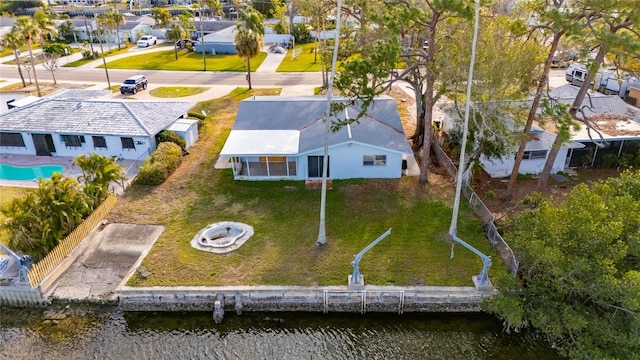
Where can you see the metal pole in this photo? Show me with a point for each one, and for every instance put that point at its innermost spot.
(322, 236)
(204, 52)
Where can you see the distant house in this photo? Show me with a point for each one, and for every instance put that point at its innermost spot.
(617, 122)
(71, 127)
(220, 37)
(276, 137)
(133, 28)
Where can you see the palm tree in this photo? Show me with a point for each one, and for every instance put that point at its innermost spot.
(176, 33)
(161, 16)
(29, 29)
(248, 45)
(98, 172)
(253, 20)
(44, 20)
(117, 19)
(14, 41)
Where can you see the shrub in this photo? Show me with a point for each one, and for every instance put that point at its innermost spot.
(301, 34)
(196, 115)
(170, 136)
(157, 168)
(609, 161)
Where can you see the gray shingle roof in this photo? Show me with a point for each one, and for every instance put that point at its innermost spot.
(133, 118)
(78, 94)
(381, 126)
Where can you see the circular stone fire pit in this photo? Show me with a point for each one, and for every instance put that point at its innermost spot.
(222, 237)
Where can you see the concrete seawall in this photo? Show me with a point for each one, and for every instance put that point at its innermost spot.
(297, 298)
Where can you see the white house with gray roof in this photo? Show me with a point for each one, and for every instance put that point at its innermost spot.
(618, 124)
(277, 137)
(69, 127)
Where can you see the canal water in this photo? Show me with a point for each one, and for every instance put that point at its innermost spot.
(110, 334)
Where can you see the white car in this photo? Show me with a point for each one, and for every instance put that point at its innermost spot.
(147, 40)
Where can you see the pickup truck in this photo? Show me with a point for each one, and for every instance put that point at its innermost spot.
(147, 40)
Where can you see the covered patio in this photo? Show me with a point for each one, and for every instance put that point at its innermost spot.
(262, 154)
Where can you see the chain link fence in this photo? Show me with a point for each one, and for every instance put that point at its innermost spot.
(480, 210)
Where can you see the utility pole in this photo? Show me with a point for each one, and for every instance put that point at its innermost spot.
(204, 51)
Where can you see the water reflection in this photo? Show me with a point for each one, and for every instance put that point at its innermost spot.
(112, 335)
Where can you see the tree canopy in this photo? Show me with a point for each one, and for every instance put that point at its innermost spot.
(579, 275)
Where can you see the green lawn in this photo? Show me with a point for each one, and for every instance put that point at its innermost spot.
(7, 194)
(165, 60)
(176, 91)
(112, 52)
(284, 215)
(303, 62)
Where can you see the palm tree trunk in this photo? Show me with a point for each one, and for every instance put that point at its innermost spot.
(249, 71)
(33, 66)
(118, 37)
(19, 68)
(175, 48)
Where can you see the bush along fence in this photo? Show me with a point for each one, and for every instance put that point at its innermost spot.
(481, 210)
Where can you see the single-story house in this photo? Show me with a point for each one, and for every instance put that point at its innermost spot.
(618, 123)
(220, 37)
(133, 28)
(277, 137)
(69, 127)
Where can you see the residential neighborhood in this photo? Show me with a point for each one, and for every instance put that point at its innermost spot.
(283, 163)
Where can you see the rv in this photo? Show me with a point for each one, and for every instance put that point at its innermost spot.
(575, 74)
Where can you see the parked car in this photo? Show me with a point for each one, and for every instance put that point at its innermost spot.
(133, 84)
(186, 43)
(147, 40)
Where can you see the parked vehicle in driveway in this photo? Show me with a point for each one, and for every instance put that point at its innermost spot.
(133, 84)
(186, 42)
(147, 40)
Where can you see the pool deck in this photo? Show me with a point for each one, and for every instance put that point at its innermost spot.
(72, 171)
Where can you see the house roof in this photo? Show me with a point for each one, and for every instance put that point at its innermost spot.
(213, 26)
(226, 35)
(100, 117)
(78, 94)
(270, 116)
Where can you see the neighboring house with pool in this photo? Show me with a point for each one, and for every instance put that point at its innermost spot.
(70, 127)
(276, 137)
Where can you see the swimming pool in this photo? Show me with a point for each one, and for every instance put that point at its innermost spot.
(10, 172)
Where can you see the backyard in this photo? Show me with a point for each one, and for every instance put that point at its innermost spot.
(285, 216)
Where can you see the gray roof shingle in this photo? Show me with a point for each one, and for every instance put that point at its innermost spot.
(135, 118)
(381, 126)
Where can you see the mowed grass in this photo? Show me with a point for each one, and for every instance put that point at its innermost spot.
(176, 91)
(112, 52)
(284, 215)
(8, 193)
(166, 60)
(305, 61)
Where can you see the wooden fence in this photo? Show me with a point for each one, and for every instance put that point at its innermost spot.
(40, 270)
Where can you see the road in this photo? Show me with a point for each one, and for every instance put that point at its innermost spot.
(165, 77)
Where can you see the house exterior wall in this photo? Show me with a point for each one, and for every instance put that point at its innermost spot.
(497, 168)
(143, 147)
(346, 162)
(218, 47)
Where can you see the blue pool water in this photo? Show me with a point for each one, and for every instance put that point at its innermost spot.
(10, 172)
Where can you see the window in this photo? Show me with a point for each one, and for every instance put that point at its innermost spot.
(72, 140)
(127, 143)
(11, 139)
(99, 142)
(536, 154)
(374, 160)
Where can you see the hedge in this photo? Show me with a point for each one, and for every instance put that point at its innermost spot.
(157, 168)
